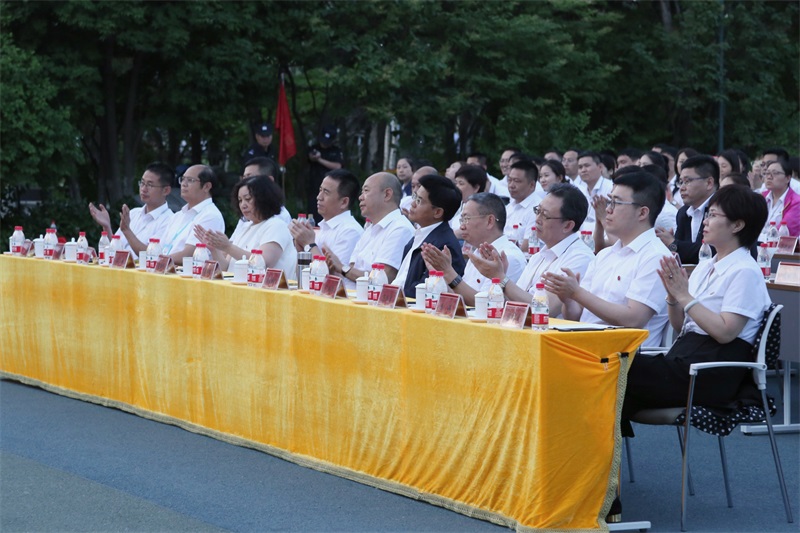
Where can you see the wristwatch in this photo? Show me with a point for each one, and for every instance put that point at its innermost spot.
(346, 269)
(504, 282)
(456, 280)
(673, 246)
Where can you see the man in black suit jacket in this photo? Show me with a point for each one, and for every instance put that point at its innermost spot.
(436, 201)
(699, 180)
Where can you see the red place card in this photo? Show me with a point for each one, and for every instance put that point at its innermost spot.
(274, 279)
(516, 315)
(164, 265)
(332, 287)
(391, 297)
(211, 271)
(123, 259)
(450, 305)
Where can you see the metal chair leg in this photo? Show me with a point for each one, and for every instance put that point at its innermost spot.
(724, 457)
(630, 459)
(685, 466)
(777, 459)
(688, 469)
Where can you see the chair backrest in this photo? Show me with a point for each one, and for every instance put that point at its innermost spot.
(767, 345)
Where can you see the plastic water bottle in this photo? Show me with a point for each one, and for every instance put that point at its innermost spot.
(540, 321)
(439, 286)
(200, 256)
(515, 236)
(772, 236)
(764, 260)
(112, 248)
(497, 301)
(705, 252)
(371, 298)
(587, 238)
(317, 273)
(82, 251)
(301, 219)
(380, 280)
(102, 245)
(50, 242)
(429, 283)
(152, 253)
(17, 241)
(533, 241)
(256, 268)
(310, 221)
(783, 231)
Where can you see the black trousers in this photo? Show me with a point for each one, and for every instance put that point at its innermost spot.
(663, 380)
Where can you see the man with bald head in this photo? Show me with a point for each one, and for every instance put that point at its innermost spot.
(196, 185)
(382, 241)
(405, 203)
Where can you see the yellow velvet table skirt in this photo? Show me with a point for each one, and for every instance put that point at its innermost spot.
(516, 427)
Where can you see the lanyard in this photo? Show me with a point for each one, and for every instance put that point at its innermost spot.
(180, 231)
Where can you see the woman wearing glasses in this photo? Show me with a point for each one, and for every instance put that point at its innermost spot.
(717, 310)
(783, 203)
(259, 200)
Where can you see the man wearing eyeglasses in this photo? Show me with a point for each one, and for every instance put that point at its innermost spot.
(482, 221)
(196, 185)
(138, 225)
(621, 286)
(699, 180)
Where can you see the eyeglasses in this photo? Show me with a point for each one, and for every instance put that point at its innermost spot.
(539, 213)
(416, 199)
(686, 181)
(774, 173)
(612, 204)
(148, 185)
(715, 214)
(464, 219)
(185, 179)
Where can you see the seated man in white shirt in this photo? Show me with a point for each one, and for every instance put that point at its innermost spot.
(522, 179)
(592, 183)
(558, 219)
(196, 186)
(495, 185)
(138, 225)
(339, 231)
(482, 222)
(621, 286)
(383, 241)
(264, 166)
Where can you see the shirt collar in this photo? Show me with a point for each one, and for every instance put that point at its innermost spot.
(422, 233)
(562, 246)
(782, 198)
(527, 201)
(691, 211)
(158, 211)
(638, 243)
(199, 207)
(733, 258)
(335, 221)
(388, 219)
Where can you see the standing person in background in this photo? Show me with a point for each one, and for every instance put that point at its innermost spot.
(323, 156)
(263, 145)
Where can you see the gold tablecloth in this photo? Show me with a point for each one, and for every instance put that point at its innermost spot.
(516, 427)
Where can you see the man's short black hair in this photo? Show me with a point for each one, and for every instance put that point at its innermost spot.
(574, 205)
(632, 153)
(529, 167)
(165, 173)
(347, 185)
(490, 204)
(442, 193)
(594, 155)
(705, 166)
(266, 166)
(481, 157)
(647, 191)
(778, 151)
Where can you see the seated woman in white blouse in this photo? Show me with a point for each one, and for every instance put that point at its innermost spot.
(718, 310)
(259, 200)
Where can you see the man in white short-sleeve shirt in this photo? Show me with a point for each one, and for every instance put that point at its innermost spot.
(482, 222)
(339, 231)
(592, 183)
(383, 241)
(138, 225)
(621, 286)
(196, 185)
(522, 179)
(558, 219)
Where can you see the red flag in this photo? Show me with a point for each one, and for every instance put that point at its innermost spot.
(283, 123)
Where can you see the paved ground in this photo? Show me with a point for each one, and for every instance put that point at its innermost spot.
(68, 465)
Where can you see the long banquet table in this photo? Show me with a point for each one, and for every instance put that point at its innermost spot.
(516, 427)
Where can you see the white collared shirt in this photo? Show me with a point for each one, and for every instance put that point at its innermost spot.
(621, 273)
(667, 218)
(497, 187)
(602, 187)
(697, 215)
(420, 235)
(516, 264)
(775, 209)
(180, 232)
(677, 201)
(340, 235)
(383, 242)
(249, 236)
(455, 222)
(734, 284)
(569, 253)
(521, 213)
(146, 225)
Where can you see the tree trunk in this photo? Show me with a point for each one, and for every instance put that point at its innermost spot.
(129, 128)
(109, 163)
